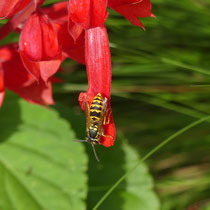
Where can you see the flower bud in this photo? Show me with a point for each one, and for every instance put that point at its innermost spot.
(39, 47)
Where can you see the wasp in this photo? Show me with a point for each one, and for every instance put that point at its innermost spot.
(97, 115)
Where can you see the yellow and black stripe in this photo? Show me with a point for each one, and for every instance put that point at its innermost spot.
(93, 131)
(96, 107)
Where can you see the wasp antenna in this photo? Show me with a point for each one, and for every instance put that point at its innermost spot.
(96, 156)
(79, 140)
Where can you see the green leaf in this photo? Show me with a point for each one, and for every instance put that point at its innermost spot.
(40, 166)
(139, 184)
(135, 193)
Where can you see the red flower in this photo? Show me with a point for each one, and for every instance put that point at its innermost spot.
(13, 76)
(58, 15)
(39, 47)
(98, 63)
(91, 15)
(88, 13)
(132, 9)
(85, 15)
(70, 48)
(45, 42)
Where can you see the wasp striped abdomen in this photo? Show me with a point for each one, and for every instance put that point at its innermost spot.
(95, 119)
(96, 108)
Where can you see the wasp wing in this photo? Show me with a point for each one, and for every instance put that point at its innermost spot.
(103, 114)
(87, 112)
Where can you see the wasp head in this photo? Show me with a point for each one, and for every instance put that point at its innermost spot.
(91, 140)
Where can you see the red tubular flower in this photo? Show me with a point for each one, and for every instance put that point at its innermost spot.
(90, 15)
(98, 63)
(86, 14)
(14, 76)
(132, 9)
(39, 47)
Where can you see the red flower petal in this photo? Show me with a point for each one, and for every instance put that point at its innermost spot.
(58, 14)
(1, 87)
(38, 39)
(39, 47)
(72, 49)
(6, 53)
(11, 7)
(20, 81)
(98, 63)
(120, 2)
(5, 30)
(133, 1)
(74, 29)
(1, 97)
(88, 13)
(37, 93)
(1, 81)
(18, 20)
(42, 69)
(132, 10)
(57, 11)
(38, 3)
(13, 77)
(109, 129)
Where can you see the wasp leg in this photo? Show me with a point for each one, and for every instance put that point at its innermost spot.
(109, 112)
(104, 110)
(109, 136)
(86, 108)
(102, 134)
(105, 104)
(107, 116)
(85, 104)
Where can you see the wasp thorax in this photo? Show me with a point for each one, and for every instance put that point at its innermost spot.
(93, 131)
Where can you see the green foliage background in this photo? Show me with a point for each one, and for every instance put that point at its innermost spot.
(161, 83)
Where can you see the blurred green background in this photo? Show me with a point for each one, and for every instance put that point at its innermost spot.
(160, 83)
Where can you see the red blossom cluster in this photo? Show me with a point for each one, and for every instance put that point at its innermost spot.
(48, 35)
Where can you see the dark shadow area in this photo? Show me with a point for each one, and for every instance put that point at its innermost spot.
(10, 116)
(104, 174)
(186, 158)
(75, 117)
